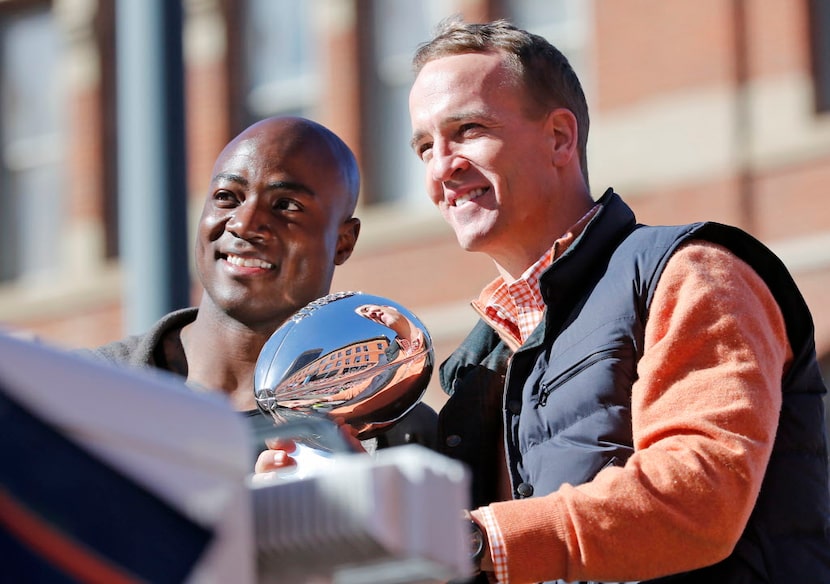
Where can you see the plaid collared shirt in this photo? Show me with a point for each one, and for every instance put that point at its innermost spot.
(515, 309)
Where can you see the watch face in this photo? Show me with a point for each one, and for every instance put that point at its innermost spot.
(476, 543)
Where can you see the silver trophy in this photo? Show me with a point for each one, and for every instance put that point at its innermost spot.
(359, 359)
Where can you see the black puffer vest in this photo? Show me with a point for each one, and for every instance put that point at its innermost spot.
(586, 353)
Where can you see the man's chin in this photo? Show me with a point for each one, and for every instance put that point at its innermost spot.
(258, 318)
(468, 242)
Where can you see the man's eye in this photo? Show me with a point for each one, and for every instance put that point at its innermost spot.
(288, 205)
(225, 198)
(424, 150)
(468, 128)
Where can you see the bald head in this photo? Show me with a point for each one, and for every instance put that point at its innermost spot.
(296, 136)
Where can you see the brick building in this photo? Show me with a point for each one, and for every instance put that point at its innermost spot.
(701, 109)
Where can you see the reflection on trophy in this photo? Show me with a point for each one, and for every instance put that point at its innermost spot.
(362, 359)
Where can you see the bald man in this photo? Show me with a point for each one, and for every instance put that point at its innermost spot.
(277, 219)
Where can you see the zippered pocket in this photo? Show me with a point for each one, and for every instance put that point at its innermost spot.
(546, 387)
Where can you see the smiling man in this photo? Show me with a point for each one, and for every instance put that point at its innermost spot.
(635, 403)
(277, 219)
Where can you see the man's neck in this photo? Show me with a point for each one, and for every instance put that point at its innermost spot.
(513, 267)
(223, 358)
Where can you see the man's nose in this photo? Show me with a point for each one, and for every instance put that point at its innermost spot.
(250, 220)
(445, 162)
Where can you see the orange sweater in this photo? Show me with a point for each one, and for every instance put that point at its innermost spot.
(704, 409)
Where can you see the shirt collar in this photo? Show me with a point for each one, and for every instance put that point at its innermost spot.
(515, 309)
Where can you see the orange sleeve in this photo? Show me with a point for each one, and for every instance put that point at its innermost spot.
(705, 411)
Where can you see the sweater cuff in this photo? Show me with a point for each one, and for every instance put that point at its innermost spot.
(533, 537)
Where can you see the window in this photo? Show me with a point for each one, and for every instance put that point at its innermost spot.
(32, 137)
(398, 26)
(564, 23)
(282, 61)
(820, 42)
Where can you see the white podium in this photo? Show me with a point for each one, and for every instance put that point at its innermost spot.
(391, 518)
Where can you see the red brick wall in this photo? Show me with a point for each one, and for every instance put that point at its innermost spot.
(641, 49)
(647, 47)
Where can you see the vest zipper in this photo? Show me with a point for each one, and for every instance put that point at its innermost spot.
(550, 386)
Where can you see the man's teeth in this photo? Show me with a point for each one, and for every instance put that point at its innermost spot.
(248, 262)
(474, 194)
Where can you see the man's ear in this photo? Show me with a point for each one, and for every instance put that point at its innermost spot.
(346, 239)
(562, 128)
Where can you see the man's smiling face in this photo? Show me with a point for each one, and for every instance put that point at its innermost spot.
(274, 224)
(487, 161)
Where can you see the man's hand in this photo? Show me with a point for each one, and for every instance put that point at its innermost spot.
(283, 454)
(276, 458)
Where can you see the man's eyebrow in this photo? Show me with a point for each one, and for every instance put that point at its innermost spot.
(288, 185)
(279, 185)
(458, 118)
(229, 176)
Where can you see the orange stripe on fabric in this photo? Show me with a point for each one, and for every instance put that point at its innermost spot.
(76, 560)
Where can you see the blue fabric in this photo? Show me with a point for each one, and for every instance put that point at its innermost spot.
(90, 504)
